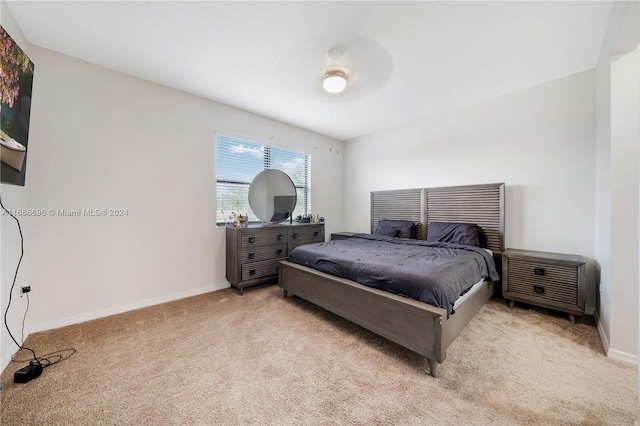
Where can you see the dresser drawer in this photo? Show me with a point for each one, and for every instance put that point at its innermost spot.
(258, 253)
(256, 270)
(259, 237)
(305, 235)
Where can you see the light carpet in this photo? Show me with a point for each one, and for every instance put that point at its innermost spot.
(226, 359)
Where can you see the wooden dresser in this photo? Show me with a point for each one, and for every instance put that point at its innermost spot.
(550, 280)
(253, 251)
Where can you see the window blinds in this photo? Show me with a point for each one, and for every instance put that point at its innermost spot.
(238, 161)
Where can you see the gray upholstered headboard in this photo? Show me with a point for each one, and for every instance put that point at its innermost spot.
(480, 204)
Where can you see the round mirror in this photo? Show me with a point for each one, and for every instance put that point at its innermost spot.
(272, 196)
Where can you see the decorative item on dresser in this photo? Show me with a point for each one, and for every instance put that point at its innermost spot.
(253, 251)
(549, 280)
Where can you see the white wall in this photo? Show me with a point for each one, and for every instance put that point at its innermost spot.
(603, 190)
(616, 166)
(540, 142)
(101, 140)
(13, 197)
(625, 178)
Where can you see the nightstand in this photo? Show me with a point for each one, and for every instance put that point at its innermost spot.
(549, 280)
(342, 235)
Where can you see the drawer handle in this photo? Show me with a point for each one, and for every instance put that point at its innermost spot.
(538, 271)
(279, 251)
(295, 235)
(252, 239)
(279, 237)
(252, 271)
(252, 255)
(315, 233)
(538, 288)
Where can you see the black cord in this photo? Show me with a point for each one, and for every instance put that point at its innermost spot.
(13, 284)
(24, 318)
(44, 360)
(49, 359)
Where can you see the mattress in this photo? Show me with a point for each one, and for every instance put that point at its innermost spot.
(432, 272)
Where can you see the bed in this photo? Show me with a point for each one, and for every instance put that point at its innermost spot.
(422, 327)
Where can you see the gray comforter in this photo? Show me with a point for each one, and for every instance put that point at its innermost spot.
(434, 273)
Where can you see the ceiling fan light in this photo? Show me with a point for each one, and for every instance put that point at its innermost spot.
(334, 82)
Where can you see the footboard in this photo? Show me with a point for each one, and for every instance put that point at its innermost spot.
(412, 324)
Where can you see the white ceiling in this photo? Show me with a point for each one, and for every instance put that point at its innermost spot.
(406, 60)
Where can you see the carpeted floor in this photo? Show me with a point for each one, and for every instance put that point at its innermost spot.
(222, 358)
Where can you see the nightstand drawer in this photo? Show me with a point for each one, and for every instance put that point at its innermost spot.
(560, 292)
(540, 270)
(258, 253)
(255, 270)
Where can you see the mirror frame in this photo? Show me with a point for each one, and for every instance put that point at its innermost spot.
(271, 189)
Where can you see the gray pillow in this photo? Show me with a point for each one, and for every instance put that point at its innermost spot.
(397, 228)
(468, 234)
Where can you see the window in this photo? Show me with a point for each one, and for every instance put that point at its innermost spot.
(238, 161)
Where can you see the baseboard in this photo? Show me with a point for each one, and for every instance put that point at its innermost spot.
(623, 356)
(76, 319)
(603, 336)
(614, 353)
(7, 358)
(62, 322)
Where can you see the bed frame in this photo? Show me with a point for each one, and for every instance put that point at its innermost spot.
(422, 328)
